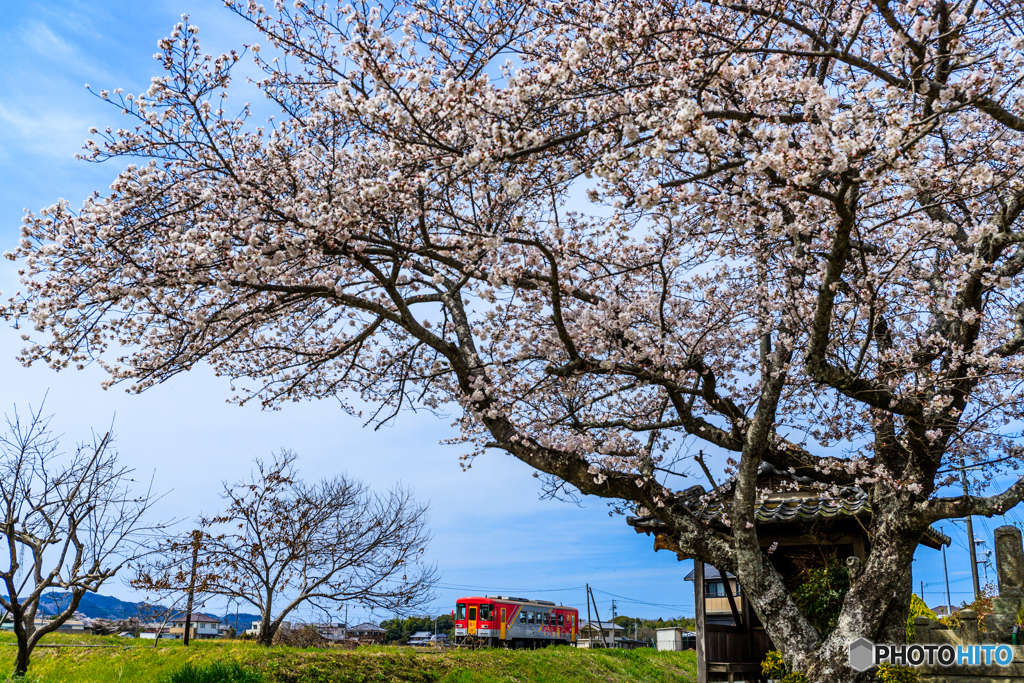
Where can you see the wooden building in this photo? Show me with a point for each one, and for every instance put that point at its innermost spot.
(799, 529)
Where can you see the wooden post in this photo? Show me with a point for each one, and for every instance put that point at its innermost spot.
(732, 601)
(196, 535)
(698, 604)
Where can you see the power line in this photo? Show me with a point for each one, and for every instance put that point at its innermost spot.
(641, 602)
(510, 590)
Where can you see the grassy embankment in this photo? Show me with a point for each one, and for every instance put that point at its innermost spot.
(140, 662)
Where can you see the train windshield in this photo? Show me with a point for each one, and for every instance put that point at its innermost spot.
(485, 612)
(460, 611)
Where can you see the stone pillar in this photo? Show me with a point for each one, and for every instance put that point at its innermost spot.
(1010, 570)
(969, 634)
(922, 630)
(1009, 562)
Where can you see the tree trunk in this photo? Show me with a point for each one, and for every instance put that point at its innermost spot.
(876, 605)
(21, 661)
(22, 635)
(267, 629)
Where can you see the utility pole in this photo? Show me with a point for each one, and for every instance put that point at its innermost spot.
(600, 625)
(970, 541)
(614, 613)
(196, 536)
(945, 570)
(922, 591)
(590, 624)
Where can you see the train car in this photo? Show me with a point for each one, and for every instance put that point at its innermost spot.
(503, 621)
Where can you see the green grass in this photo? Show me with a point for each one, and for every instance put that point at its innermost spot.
(218, 672)
(139, 662)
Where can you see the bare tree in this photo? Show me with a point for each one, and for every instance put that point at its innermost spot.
(286, 542)
(67, 522)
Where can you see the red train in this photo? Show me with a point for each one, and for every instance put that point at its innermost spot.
(502, 621)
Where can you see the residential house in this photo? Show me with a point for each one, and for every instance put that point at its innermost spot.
(69, 626)
(200, 627)
(368, 634)
(592, 633)
(334, 630)
(420, 638)
(717, 609)
(254, 630)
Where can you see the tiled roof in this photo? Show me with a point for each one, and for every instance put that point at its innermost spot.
(367, 627)
(852, 502)
(607, 625)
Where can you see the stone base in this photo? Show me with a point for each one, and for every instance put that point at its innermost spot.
(1014, 673)
(1006, 605)
(1003, 617)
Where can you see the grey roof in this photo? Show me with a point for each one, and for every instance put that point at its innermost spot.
(710, 574)
(609, 625)
(851, 503)
(421, 634)
(367, 627)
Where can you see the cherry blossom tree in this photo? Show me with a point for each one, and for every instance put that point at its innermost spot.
(786, 231)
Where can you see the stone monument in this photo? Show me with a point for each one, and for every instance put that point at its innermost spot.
(1010, 570)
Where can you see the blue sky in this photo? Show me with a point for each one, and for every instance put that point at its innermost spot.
(491, 531)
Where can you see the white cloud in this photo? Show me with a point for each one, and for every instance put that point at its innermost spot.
(42, 40)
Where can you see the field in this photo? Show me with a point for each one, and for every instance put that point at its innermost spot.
(140, 662)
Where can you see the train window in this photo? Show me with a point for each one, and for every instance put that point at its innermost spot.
(529, 617)
(522, 616)
(485, 612)
(460, 611)
(472, 613)
(561, 620)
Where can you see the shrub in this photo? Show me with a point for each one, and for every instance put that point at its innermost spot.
(918, 608)
(887, 673)
(303, 636)
(821, 593)
(774, 666)
(218, 672)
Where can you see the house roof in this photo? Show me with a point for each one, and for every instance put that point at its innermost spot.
(367, 627)
(710, 574)
(608, 625)
(196, 618)
(852, 502)
(421, 634)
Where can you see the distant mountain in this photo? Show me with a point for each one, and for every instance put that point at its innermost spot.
(97, 606)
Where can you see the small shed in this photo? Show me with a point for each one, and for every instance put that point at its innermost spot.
(676, 639)
(798, 527)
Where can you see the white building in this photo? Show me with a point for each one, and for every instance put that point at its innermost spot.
(254, 630)
(676, 639)
(201, 626)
